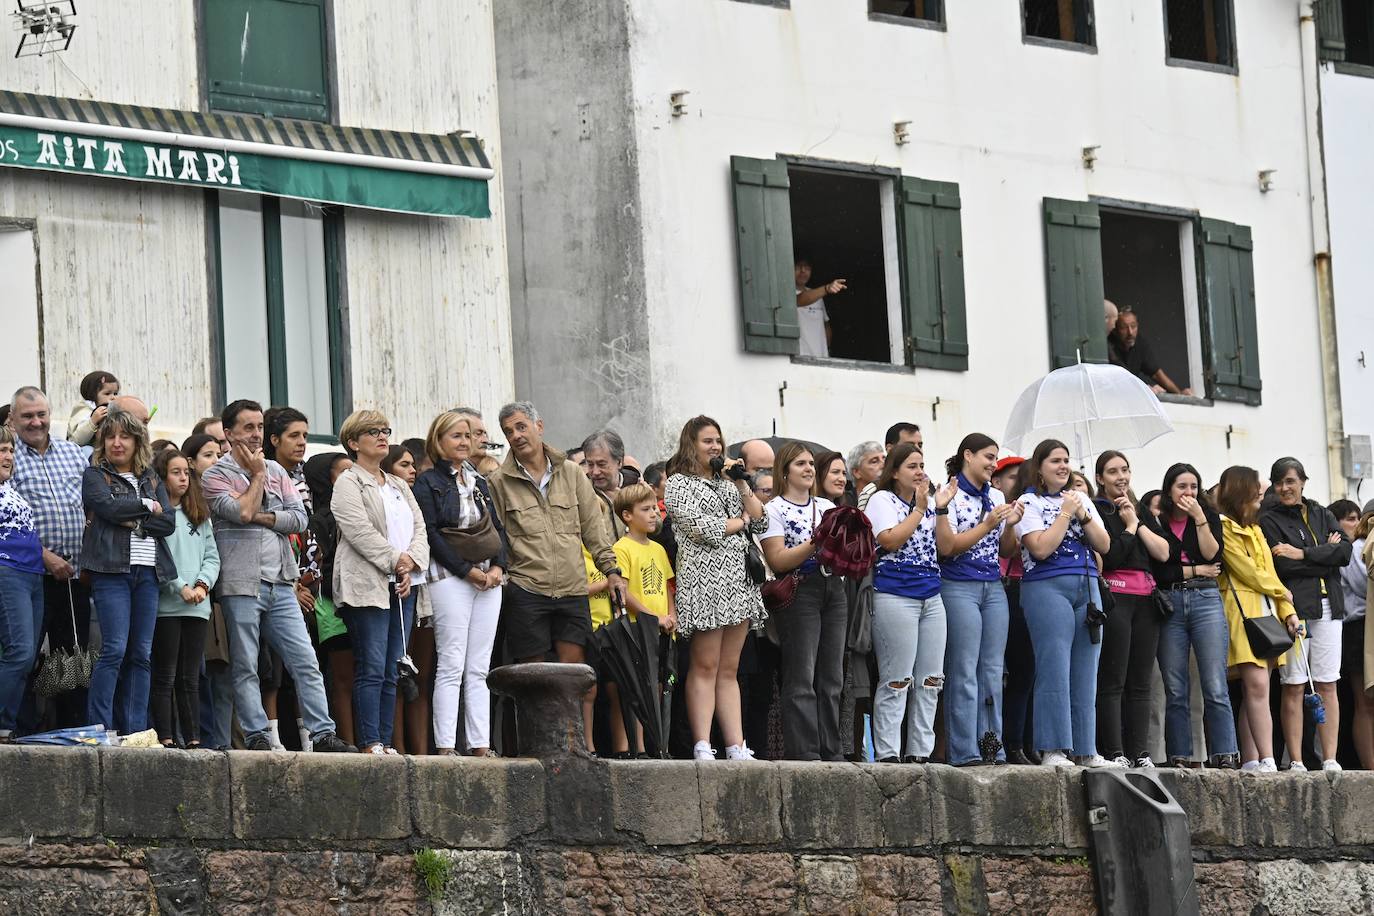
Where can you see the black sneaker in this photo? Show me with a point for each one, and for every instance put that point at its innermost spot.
(1224, 761)
(333, 744)
(258, 743)
(888, 760)
(909, 758)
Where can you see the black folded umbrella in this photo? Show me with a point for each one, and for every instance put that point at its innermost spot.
(630, 652)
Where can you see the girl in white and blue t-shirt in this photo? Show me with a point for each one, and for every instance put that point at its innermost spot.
(1059, 531)
(908, 615)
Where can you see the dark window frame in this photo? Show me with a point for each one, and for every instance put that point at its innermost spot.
(1232, 68)
(938, 24)
(1343, 64)
(331, 70)
(336, 284)
(1088, 47)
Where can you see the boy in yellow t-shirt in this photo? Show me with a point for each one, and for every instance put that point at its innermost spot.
(648, 573)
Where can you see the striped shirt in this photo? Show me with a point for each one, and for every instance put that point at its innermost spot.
(142, 549)
(50, 482)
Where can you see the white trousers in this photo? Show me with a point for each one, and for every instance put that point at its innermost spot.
(464, 633)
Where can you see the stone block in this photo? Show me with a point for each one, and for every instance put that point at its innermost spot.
(1352, 803)
(178, 875)
(1224, 888)
(484, 883)
(830, 806)
(741, 802)
(1291, 888)
(657, 800)
(964, 890)
(49, 792)
(1212, 799)
(313, 797)
(165, 793)
(905, 802)
(996, 806)
(899, 884)
(1286, 810)
(316, 881)
(1052, 887)
(748, 884)
(1073, 808)
(577, 793)
(830, 885)
(476, 802)
(60, 880)
(583, 881)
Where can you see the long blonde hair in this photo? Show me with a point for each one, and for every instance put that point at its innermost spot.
(118, 418)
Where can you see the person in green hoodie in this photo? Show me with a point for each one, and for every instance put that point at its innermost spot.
(183, 612)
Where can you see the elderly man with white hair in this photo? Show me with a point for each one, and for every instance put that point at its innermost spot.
(865, 463)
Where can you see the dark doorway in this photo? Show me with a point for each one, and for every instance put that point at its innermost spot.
(1142, 268)
(837, 224)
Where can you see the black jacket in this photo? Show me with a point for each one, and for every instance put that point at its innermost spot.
(1321, 563)
(1170, 572)
(1126, 550)
(436, 491)
(111, 502)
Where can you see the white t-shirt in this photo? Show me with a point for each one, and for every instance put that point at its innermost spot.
(400, 524)
(1072, 557)
(811, 319)
(794, 523)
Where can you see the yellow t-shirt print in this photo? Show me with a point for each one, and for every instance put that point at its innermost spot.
(647, 572)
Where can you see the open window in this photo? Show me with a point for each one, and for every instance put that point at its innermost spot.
(1060, 22)
(1187, 281)
(20, 309)
(915, 12)
(267, 57)
(1345, 31)
(1200, 32)
(279, 309)
(895, 241)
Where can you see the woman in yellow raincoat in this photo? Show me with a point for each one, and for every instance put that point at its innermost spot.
(1250, 588)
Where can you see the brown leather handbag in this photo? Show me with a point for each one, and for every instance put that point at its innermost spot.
(479, 541)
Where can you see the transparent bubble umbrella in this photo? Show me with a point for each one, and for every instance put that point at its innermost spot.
(1089, 408)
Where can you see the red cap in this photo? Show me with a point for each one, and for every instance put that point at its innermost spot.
(1010, 461)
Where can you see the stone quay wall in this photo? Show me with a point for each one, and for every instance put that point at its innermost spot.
(156, 831)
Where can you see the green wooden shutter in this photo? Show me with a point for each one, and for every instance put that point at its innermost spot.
(1330, 29)
(767, 283)
(1073, 268)
(267, 57)
(932, 265)
(1232, 344)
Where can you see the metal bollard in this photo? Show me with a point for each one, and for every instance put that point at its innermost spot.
(1142, 848)
(548, 706)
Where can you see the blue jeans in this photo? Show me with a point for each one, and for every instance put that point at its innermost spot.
(276, 615)
(1065, 662)
(378, 636)
(976, 621)
(909, 642)
(1198, 621)
(21, 621)
(122, 680)
(216, 705)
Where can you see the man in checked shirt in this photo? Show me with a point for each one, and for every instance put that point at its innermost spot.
(47, 473)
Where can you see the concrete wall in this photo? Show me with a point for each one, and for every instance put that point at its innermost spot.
(1008, 122)
(1347, 139)
(131, 830)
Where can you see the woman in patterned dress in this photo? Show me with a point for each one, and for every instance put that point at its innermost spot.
(716, 601)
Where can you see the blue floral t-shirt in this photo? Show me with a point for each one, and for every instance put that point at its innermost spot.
(19, 545)
(1072, 557)
(911, 570)
(979, 562)
(794, 523)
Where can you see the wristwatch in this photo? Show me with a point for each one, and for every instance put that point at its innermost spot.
(944, 511)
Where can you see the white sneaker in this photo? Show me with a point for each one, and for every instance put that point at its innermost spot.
(1297, 766)
(739, 751)
(1097, 762)
(1267, 765)
(1144, 763)
(376, 750)
(702, 750)
(274, 735)
(1121, 761)
(1331, 766)
(1055, 759)
(1250, 766)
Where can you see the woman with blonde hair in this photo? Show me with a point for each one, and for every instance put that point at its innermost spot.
(468, 563)
(122, 547)
(379, 560)
(1250, 587)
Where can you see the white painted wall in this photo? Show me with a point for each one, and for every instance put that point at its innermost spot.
(1007, 121)
(1348, 143)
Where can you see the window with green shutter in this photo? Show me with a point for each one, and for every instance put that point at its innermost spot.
(1330, 29)
(267, 57)
(1073, 268)
(1231, 341)
(763, 235)
(932, 271)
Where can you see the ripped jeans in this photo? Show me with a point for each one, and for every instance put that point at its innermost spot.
(909, 642)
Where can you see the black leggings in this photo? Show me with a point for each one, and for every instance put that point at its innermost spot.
(178, 647)
(1124, 674)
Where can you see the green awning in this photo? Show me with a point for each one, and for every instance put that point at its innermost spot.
(441, 175)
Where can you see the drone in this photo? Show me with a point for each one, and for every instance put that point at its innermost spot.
(44, 26)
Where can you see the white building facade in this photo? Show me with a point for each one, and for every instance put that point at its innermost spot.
(288, 200)
(982, 174)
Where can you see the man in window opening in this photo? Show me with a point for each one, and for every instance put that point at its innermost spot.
(1127, 349)
(811, 314)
